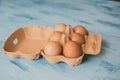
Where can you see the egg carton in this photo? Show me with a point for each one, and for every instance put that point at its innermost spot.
(29, 42)
(92, 47)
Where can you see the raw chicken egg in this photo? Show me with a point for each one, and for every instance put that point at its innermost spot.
(61, 27)
(72, 50)
(77, 38)
(53, 48)
(56, 36)
(81, 30)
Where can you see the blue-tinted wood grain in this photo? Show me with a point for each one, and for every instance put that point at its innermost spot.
(98, 16)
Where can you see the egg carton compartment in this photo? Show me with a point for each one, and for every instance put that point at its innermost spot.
(61, 58)
(29, 42)
(93, 44)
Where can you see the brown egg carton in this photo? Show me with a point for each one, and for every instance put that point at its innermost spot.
(61, 58)
(29, 42)
(92, 47)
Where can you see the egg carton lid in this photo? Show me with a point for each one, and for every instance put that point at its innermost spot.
(27, 41)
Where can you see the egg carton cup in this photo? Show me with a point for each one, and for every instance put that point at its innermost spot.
(29, 42)
(61, 58)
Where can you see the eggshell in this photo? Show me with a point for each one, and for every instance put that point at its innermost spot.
(72, 50)
(81, 30)
(61, 27)
(53, 48)
(55, 36)
(77, 38)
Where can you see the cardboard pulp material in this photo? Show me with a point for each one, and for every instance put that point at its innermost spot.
(61, 58)
(29, 42)
(93, 44)
(92, 47)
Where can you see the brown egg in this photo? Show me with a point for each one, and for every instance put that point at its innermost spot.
(77, 38)
(72, 50)
(56, 36)
(53, 48)
(61, 27)
(81, 30)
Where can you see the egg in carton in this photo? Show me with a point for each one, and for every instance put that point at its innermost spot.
(67, 44)
(30, 42)
(27, 42)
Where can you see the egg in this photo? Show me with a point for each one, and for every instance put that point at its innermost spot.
(56, 36)
(72, 50)
(53, 48)
(77, 38)
(81, 30)
(61, 27)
